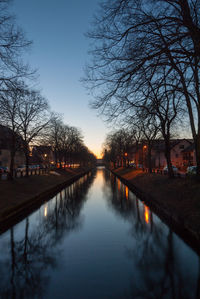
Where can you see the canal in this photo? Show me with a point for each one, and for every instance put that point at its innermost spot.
(96, 240)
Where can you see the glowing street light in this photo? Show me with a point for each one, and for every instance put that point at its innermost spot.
(45, 211)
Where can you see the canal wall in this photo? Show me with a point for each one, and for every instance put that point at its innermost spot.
(13, 215)
(167, 214)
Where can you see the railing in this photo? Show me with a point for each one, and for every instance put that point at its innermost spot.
(162, 172)
(20, 174)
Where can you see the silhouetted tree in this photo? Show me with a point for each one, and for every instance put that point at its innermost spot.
(134, 40)
(34, 118)
(10, 101)
(12, 46)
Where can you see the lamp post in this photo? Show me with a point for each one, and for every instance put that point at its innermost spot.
(46, 160)
(126, 155)
(144, 155)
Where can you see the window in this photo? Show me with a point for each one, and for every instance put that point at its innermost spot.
(176, 155)
(181, 146)
(0, 152)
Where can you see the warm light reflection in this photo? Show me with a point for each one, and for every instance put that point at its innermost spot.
(45, 211)
(146, 214)
(126, 192)
(119, 184)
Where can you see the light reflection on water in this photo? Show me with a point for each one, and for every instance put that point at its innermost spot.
(95, 239)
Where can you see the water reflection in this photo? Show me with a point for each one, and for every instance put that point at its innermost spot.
(146, 214)
(95, 239)
(31, 252)
(164, 267)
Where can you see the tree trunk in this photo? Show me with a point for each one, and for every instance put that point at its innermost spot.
(12, 156)
(168, 157)
(27, 162)
(56, 156)
(197, 156)
(149, 157)
(12, 159)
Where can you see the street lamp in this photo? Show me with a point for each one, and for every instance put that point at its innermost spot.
(144, 155)
(126, 155)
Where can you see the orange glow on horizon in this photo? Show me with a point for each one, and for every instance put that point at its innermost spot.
(97, 152)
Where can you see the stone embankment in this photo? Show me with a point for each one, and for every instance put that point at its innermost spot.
(22, 196)
(176, 201)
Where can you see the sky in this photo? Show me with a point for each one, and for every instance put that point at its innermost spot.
(59, 53)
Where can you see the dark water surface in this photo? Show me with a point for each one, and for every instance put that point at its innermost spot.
(96, 240)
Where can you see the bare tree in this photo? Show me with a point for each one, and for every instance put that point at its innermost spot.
(34, 117)
(148, 126)
(54, 134)
(12, 69)
(136, 39)
(12, 45)
(118, 145)
(10, 101)
(67, 143)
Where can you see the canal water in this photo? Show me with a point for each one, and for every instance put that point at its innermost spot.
(96, 240)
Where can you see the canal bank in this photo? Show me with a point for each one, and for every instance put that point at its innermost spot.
(96, 239)
(175, 201)
(22, 196)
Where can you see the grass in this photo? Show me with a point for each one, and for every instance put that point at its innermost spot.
(180, 195)
(17, 192)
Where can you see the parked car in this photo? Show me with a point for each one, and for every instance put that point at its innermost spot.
(3, 169)
(34, 167)
(31, 167)
(42, 166)
(132, 165)
(191, 170)
(175, 169)
(21, 168)
(140, 166)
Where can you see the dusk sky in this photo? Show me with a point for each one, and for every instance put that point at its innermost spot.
(60, 52)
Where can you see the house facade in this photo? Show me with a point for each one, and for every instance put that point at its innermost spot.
(5, 147)
(42, 154)
(182, 153)
(178, 153)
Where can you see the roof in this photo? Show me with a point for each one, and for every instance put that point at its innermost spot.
(159, 145)
(190, 148)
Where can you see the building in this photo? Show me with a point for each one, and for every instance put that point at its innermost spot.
(182, 153)
(5, 147)
(42, 154)
(188, 155)
(178, 146)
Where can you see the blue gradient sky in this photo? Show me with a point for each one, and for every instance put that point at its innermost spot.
(59, 52)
